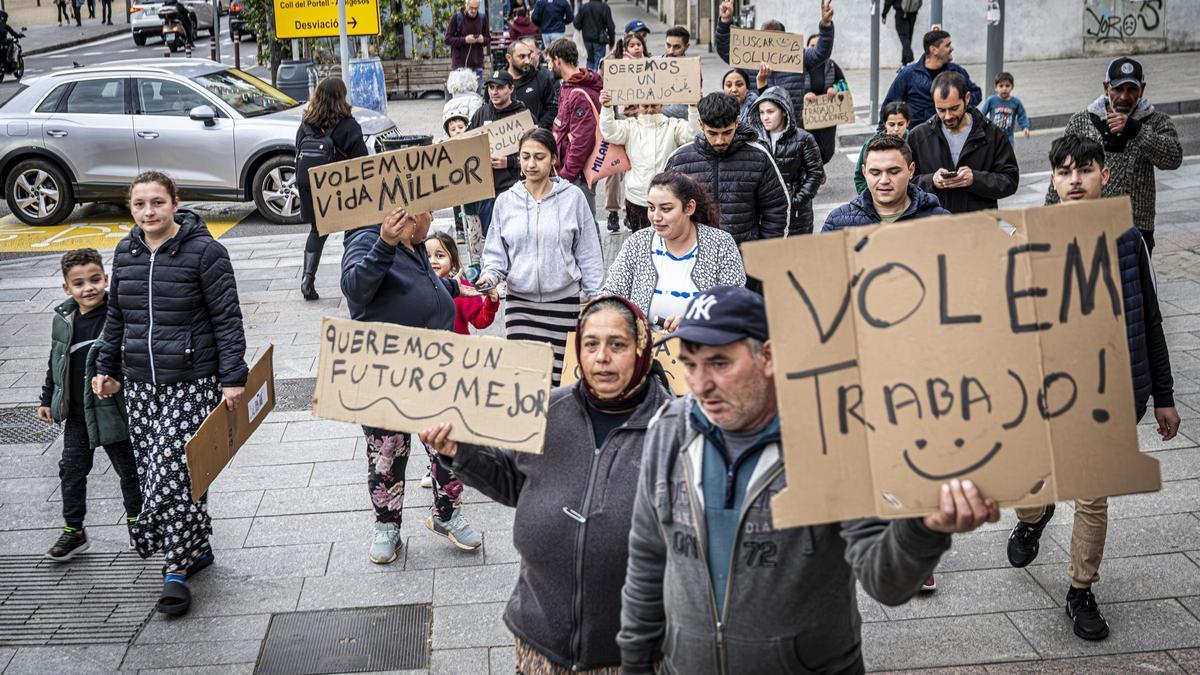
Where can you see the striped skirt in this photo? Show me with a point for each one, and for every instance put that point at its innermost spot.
(547, 322)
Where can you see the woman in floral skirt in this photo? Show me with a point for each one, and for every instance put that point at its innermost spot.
(174, 342)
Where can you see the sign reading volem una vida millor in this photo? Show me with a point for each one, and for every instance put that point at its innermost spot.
(494, 392)
(319, 18)
(988, 346)
(362, 191)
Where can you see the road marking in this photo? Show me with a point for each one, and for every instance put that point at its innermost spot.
(65, 50)
(126, 51)
(98, 231)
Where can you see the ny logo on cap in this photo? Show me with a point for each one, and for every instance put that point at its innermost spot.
(701, 307)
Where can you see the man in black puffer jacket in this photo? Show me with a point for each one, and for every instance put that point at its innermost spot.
(890, 195)
(182, 331)
(796, 154)
(1078, 172)
(737, 170)
(962, 157)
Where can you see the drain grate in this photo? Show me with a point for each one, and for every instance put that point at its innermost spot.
(21, 425)
(294, 394)
(347, 641)
(96, 598)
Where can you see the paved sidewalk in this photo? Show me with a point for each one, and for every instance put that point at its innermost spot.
(48, 38)
(292, 518)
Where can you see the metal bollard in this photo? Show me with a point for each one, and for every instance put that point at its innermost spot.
(237, 52)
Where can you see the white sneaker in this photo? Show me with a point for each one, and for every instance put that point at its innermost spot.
(386, 544)
(427, 479)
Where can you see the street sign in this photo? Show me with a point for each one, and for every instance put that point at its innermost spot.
(319, 18)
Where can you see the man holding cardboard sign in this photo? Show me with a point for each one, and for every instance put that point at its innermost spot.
(706, 561)
(505, 169)
(1078, 173)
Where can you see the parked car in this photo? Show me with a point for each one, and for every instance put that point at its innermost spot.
(144, 21)
(80, 135)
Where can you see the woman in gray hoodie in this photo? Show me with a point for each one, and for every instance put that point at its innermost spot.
(543, 243)
(574, 502)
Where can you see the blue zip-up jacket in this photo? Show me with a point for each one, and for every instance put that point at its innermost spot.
(392, 284)
(552, 16)
(861, 210)
(914, 84)
(725, 486)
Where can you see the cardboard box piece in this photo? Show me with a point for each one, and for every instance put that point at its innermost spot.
(504, 136)
(749, 49)
(652, 81)
(364, 190)
(829, 113)
(664, 353)
(495, 392)
(988, 346)
(225, 431)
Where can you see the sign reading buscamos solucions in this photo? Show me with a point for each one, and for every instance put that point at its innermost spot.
(319, 18)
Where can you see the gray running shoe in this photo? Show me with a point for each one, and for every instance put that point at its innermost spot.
(386, 545)
(457, 530)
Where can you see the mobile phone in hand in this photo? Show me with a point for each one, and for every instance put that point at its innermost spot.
(485, 287)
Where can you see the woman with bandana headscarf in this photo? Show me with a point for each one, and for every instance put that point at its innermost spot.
(574, 502)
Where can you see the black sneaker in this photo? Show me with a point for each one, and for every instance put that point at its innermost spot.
(72, 542)
(1024, 540)
(614, 222)
(1085, 615)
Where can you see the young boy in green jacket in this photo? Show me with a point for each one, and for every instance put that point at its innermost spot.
(88, 422)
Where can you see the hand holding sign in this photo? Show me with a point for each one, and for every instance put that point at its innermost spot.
(438, 439)
(962, 509)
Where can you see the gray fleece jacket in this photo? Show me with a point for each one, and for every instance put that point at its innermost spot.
(571, 527)
(790, 602)
(546, 250)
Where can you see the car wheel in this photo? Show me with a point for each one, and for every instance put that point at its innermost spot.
(139, 39)
(38, 193)
(275, 192)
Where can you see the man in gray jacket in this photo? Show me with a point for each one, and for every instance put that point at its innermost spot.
(712, 586)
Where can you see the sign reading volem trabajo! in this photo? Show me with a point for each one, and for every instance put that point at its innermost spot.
(988, 346)
(319, 18)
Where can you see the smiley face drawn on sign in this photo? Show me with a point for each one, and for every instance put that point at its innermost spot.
(958, 443)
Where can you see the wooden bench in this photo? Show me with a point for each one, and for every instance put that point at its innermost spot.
(414, 77)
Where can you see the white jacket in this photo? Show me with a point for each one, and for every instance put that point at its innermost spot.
(649, 140)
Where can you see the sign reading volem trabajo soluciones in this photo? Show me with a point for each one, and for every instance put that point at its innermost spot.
(319, 18)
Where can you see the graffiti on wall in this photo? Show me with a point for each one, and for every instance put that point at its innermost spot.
(1123, 20)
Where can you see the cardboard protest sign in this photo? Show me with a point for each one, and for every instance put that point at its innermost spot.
(829, 113)
(495, 392)
(225, 431)
(749, 49)
(662, 80)
(663, 353)
(988, 346)
(362, 191)
(504, 136)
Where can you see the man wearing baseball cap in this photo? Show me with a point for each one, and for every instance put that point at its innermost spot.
(637, 26)
(1137, 139)
(711, 585)
(506, 171)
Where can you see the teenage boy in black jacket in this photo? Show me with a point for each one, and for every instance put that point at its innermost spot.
(1078, 172)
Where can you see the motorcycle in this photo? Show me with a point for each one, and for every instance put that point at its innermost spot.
(237, 25)
(14, 61)
(173, 34)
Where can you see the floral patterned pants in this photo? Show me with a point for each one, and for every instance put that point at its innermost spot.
(162, 419)
(387, 458)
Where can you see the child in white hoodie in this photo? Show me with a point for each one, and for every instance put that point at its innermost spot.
(649, 139)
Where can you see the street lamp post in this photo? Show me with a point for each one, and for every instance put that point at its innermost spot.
(875, 61)
(995, 40)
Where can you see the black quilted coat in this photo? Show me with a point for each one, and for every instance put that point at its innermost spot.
(1149, 360)
(796, 154)
(173, 315)
(745, 182)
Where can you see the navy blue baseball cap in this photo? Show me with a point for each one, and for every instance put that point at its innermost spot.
(636, 25)
(723, 315)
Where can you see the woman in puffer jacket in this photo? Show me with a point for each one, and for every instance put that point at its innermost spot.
(795, 150)
(649, 140)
